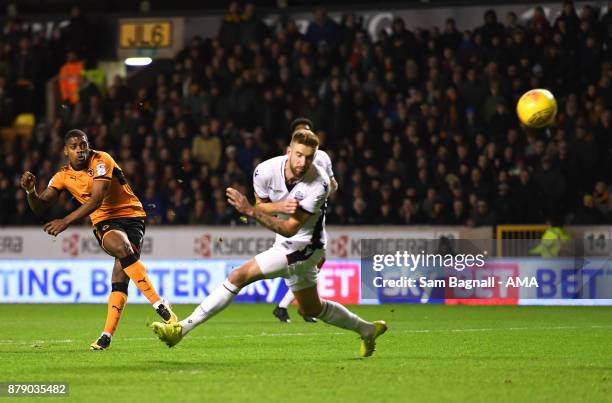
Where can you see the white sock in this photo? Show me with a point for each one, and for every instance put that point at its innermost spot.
(108, 334)
(213, 304)
(287, 300)
(335, 314)
(157, 304)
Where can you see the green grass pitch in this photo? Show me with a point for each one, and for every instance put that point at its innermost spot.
(430, 353)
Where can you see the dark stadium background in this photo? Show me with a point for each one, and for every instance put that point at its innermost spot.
(463, 160)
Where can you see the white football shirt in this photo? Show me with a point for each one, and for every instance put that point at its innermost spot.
(322, 160)
(311, 192)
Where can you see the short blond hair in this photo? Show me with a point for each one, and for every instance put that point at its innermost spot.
(305, 137)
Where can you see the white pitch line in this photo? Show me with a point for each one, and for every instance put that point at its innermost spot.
(486, 329)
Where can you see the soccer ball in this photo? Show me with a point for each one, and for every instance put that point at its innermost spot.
(537, 108)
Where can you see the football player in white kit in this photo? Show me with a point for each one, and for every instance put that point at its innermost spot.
(298, 248)
(288, 206)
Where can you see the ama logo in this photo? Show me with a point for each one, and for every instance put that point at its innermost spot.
(299, 196)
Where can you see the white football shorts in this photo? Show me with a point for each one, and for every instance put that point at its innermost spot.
(298, 268)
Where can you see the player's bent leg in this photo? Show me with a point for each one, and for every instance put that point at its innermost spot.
(280, 311)
(337, 315)
(116, 303)
(118, 245)
(312, 319)
(287, 300)
(307, 318)
(216, 301)
(310, 303)
(222, 296)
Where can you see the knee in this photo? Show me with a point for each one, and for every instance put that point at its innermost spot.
(238, 278)
(122, 250)
(245, 274)
(117, 245)
(119, 249)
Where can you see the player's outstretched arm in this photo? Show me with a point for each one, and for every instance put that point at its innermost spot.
(38, 203)
(286, 228)
(99, 189)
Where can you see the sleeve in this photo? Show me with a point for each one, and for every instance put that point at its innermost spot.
(260, 183)
(315, 199)
(57, 182)
(326, 164)
(104, 166)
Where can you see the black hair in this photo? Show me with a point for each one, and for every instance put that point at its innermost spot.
(74, 133)
(301, 121)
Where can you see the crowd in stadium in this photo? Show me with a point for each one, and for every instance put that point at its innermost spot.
(420, 124)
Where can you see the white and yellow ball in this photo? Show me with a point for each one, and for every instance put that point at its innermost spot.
(537, 108)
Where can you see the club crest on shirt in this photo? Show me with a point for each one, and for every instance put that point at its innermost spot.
(90, 172)
(298, 196)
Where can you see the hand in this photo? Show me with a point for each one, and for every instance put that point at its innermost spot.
(55, 227)
(288, 206)
(28, 182)
(238, 201)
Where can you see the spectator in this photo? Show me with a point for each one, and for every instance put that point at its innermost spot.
(539, 23)
(206, 147)
(6, 105)
(76, 35)
(482, 215)
(70, 79)
(601, 198)
(26, 76)
(221, 215)
(248, 154)
(252, 29)
(587, 214)
(451, 37)
(201, 215)
(491, 27)
(551, 184)
(568, 21)
(229, 33)
(459, 214)
(322, 29)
